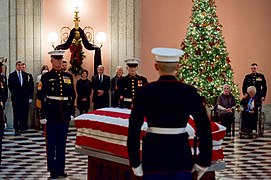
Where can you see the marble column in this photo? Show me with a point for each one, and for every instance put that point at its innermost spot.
(124, 18)
(20, 39)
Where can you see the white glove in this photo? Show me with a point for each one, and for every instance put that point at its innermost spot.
(72, 118)
(138, 171)
(200, 170)
(43, 121)
(30, 101)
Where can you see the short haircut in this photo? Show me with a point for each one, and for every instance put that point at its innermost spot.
(100, 66)
(254, 64)
(227, 85)
(64, 61)
(167, 67)
(84, 70)
(23, 64)
(251, 88)
(18, 62)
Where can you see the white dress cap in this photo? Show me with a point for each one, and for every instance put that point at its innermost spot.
(170, 55)
(56, 53)
(132, 61)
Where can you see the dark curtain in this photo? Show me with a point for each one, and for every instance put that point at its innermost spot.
(87, 45)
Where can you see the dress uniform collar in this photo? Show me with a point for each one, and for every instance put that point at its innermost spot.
(56, 71)
(133, 77)
(167, 77)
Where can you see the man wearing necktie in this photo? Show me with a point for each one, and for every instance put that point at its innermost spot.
(101, 86)
(19, 97)
(20, 77)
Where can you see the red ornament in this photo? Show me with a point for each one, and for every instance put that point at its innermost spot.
(209, 78)
(182, 46)
(198, 52)
(228, 60)
(212, 43)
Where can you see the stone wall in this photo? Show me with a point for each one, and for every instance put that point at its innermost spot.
(20, 39)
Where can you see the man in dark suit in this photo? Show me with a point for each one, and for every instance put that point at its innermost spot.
(57, 94)
(18, 87)
(130, 84)
(30, 83)
(101, 86)
(166, 105)
(30, 86)
(257, 80)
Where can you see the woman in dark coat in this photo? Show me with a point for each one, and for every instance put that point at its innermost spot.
(84, 89)
(115, 96)
(225, 105)
(251, 103)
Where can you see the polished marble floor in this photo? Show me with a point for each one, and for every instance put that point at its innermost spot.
(23, 157)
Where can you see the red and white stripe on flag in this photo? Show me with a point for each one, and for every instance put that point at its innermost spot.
(107, 129)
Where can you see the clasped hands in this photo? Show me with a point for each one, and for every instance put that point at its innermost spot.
(100, 92)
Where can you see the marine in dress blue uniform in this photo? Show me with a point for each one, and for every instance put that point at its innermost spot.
(257, 80)
(56, 91)
(166, 105)
(130, 84)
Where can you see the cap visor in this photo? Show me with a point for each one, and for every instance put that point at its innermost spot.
(132, 65)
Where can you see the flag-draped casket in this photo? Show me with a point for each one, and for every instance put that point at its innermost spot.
(106, 130)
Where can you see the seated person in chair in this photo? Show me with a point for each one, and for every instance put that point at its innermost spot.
(251, 102)
(225, 105)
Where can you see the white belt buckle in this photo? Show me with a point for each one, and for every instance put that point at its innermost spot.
(158, 130)
(128, 100)
(59, 98)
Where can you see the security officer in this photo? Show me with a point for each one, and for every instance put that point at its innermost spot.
(56, 91)
(130, 84)
(3, 99)
(257, 80)
(166, 105)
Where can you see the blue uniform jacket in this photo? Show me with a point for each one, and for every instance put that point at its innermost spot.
(167, 103)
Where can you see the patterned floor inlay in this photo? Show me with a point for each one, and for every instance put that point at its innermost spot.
(23, 157)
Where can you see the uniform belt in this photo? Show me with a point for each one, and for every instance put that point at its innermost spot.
(128, 99)
(58, 98)
(158, 130)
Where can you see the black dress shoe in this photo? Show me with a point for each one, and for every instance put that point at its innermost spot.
(63, 175)
(17, 133)
(53, 175)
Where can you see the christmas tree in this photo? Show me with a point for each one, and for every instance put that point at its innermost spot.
(206, 62)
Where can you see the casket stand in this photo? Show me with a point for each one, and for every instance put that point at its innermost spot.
(102, 137)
